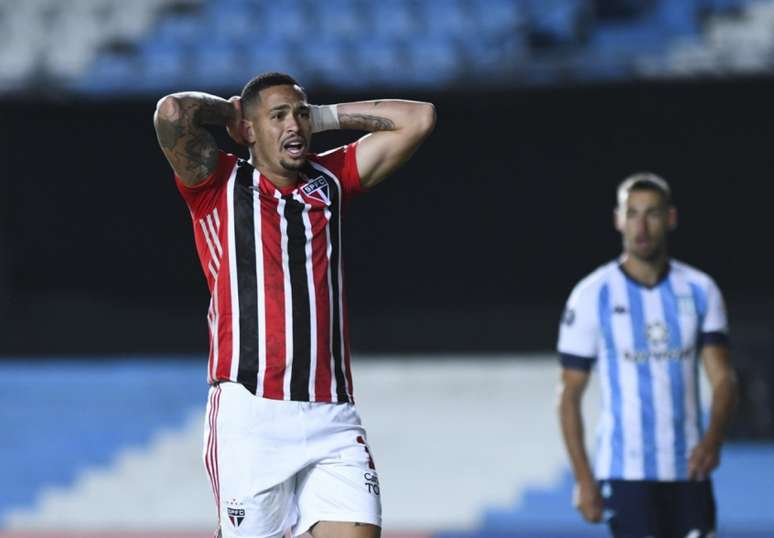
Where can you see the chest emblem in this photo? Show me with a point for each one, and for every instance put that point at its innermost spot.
(657, 333)
(317, 189)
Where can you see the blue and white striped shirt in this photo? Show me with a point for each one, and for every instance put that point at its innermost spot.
(647, 340)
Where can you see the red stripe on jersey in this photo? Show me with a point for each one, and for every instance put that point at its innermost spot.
(274, 286)
(223, 294)
(322, 382)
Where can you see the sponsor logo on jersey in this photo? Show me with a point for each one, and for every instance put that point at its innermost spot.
(235, 511)
(619, 309)
(318, 189)
(676, 354)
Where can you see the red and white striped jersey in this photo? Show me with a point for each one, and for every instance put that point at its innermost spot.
(272, 259)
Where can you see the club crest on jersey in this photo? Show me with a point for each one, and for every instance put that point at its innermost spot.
(236, 512)
(318, 189)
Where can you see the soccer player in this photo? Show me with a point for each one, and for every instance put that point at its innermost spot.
(645, 319)
(284, 446)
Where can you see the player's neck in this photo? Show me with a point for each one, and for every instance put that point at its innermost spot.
(647, 272)
(280, 178)
(280, 181)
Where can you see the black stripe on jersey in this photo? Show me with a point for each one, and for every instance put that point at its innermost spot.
(334, 227)
(302, 316)
(247, 280)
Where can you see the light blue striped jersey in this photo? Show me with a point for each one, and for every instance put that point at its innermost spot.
(647, 340)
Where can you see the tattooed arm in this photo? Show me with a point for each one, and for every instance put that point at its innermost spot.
(179, 120)
(397, 128)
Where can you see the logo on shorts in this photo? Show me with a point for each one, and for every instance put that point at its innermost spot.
(372, 483)
(318, 189)
(235, 511)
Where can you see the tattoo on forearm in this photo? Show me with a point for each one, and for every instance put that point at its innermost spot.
(366, 122)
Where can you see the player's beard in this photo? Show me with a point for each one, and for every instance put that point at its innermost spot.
(652, 254)
(292, 166)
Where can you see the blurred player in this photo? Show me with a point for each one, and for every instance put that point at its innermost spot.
(284, 446)
(647, 318)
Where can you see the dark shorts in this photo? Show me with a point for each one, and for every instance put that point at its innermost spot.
(644, 508)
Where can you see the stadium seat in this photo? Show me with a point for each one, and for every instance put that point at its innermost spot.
(379, 61)
(392, 18)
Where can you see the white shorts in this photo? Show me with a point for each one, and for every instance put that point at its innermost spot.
(277, 465)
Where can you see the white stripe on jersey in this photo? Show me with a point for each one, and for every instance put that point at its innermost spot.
(258, 217)
(215, 238)
(312, 297)
(213, 255)
(232, 268)
(288, 294)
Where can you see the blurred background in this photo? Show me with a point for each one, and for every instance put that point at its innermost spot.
(458, 266)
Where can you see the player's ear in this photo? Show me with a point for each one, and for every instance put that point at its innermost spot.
(618, 219)
(672, 218)
(247, 131)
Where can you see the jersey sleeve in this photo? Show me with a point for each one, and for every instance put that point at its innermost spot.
(579, 330)
(714, 323)
(342, 162)
(202, 197)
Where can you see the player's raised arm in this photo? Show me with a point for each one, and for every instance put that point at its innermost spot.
(179, 121)
(397, 129)
(587, 498)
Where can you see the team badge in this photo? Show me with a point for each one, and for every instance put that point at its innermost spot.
(235, 511)
(318, 189)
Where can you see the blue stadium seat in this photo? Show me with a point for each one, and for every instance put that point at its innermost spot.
(341, 19)
(496, 17)
(217, 65)
(238, 21)
(329, 62)
(179, 30)
(163, 66)
(285, 19)
(393, 18)
(379, 61)
(272, 55)
(446, 18)
(110, 73)
(433, 61)
(557, 22)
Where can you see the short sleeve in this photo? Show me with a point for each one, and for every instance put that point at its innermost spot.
(342, 162)
(579, 330)
(202, 197)
(714, 325)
